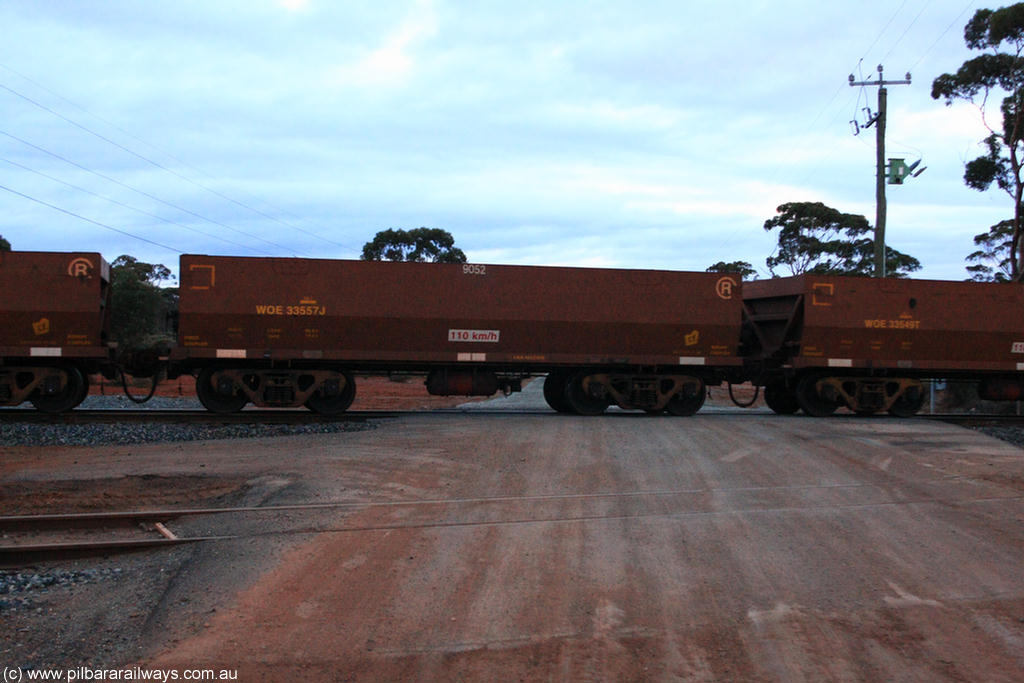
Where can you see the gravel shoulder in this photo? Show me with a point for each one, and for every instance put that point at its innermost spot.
(724, 547)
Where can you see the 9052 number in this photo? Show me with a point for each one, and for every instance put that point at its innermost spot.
(473, 269)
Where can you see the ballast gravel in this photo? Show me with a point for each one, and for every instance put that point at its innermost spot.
(32, 434)
(1014, 435)
(19, 589)
(123, 434)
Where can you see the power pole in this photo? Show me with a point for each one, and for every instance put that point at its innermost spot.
(879, 121)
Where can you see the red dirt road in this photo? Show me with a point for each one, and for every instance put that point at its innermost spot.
(713, 548)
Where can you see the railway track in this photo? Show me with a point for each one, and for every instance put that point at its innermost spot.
(29, 539)
(33, 538)
(297, 416)
(302, 416)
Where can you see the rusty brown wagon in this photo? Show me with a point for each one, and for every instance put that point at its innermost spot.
(54, 324)
(818, 342)
(292, 332)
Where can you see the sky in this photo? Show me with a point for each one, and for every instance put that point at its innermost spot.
(641, 134)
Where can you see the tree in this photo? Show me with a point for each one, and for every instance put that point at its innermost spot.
(1000, 34)
(4, 244)
(140, 307)
(814, 238)
(741, 268)
(992, 262)
(421, 244)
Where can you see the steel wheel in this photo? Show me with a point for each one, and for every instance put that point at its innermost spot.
(687, 402)
(582, 402)
(215, 401)
(333, 405)
(554, 391)
(73, 393)
(909, 402)
(780, 398)
(811, 402)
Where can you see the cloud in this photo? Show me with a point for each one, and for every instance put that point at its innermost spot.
(393, 62)
(629, 134)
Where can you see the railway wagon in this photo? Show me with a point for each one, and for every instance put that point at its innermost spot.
(292, 332)
(819, 342)
(55, 323)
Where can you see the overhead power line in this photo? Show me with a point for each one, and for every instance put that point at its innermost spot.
(162, 167)
(142, 192)
(942, 35)
(132, 208)
(904, 34)
(89, 220)
(884, 29)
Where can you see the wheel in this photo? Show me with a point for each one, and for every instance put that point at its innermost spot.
(83, 392)
(810, 401)
(554, 391)
(582, 402)
(780, 398)
(338, 403)
(687, 402)
(73, 393)
(908, 403)
(212, 399)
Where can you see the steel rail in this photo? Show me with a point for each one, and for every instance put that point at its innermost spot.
(297, 416)
(22, 555)
(302, 416)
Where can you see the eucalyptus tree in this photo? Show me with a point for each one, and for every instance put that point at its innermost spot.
(815, 238)
(998, 71)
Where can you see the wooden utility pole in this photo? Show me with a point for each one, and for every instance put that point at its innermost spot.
(879, 121)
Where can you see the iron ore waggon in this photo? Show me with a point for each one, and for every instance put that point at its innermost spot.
(292, 332)
(297, 332)
(820, 342)
(55, 315)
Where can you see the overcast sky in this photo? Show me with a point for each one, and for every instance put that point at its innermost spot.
(624, 134)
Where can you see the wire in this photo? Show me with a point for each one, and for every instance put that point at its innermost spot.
(884, 29)
(942, 35)
(89, 220)
(142, 192)
(159, 165)
(903, 35)
(128, 206)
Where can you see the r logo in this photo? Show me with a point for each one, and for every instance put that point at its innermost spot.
(724, 287)
(80, 267)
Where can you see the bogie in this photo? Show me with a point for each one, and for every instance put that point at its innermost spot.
(591, 393)
(820, 395)
(227, 390)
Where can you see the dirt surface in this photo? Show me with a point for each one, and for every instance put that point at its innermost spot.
(723, 547)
